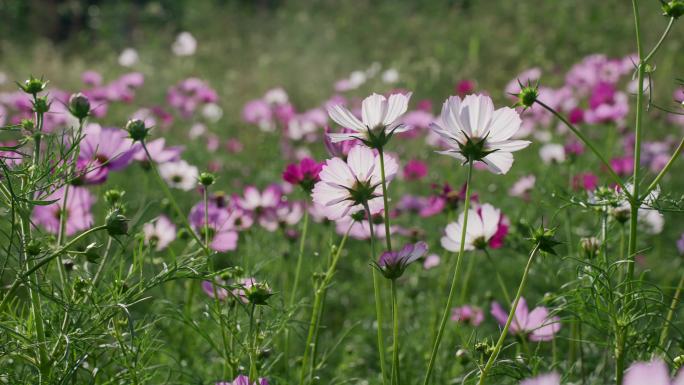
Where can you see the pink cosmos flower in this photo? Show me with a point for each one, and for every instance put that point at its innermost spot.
(158, 151)
(543, 379)
(680, 245)
(345, 186)
(467, 314)
(190, 94)
(523, 186)
(484, 224)
(415, 170)
(259, 112)
(305, 173)
(104, 150)
(244, 380)
(339, 149)
(432, 260)
(465, 87)
(536, 325)
(91, 78)
(208, 288)
(179, 174)
(651, 373)
(623, 166)
(78, 215)
(262, 205)
(159, 233)
(361, 230)
(585, 181)
(222, 237)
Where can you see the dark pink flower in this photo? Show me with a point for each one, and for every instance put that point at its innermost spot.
(465, 87)
(623, 166)
(415, 170)
(585, 181)
(305, 173)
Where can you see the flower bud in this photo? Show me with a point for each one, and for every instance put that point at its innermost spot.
(116, 223)
(621, 213)
(544, 239)
(33, 248)
(137, 130)
(79, 106)
(673, 8)
(678, 361)
(27, 125)
(258, 293)
(113, 196)
(528, 95)
(41, 105)
(32, 86)
(462, 356)
(206, 179)
(590, 246)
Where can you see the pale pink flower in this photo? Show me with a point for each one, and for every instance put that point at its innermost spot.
(467, 314)
(651, 373)
(537, 325)
(544, 379)
(159, 233)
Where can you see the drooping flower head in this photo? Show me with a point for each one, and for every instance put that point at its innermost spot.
(392, 264)
(305, 173)
(536, 325)
(77, 210)
(483, 225)
(474, 131)
(380, 119)
(346, 186)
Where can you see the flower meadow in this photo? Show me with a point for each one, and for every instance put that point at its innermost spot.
(526, 234)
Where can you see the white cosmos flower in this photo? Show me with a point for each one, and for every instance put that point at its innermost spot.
(159, 233)
(378, 114)
(474, 120)
(180, 174)
(185, 44)
(344, 184)
(552, 153)
(128, 57)
(481, 228)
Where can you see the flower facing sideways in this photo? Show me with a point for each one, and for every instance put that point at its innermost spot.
(392, 264)
(346, 186)
(474, 131)
(536, 325)
(380, 119)
(159, 233)
(485, 229)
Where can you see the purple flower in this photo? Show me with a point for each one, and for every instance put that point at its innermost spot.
(467, 314)
(415, 170)
(680, 244)
(222, 236)
(208, 288)
(305, 173)
(158, 152)
(392, 264)
(78, 214)
(536, 325)
(244, 380)
(104, 150)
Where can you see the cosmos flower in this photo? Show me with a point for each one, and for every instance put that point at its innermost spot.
(128, 57)
(222, 236)
(432, 260)
(380, 119)
(392, 264)
(159, 233)
(651, 373)
(467, 314)
(305, 173)
(415, 170)
(78, 215)
(552, 153)
(345, 186)
(180, 174)
(536, 325)
(474, 131)
(104, 150)
(185, 44)
(244, 380)
(523, 186)
(483, 225)
(158, 151)
(221, 293)
(543, 379)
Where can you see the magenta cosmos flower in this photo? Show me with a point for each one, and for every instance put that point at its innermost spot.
(244, 380)
(222, 236)
(380, 117)
(415, 170)
(536, 325)
(651, 373)
(78, 214)
(467, 314)
(104, 150)
(345, 186)
(305, 173)
(392, 264)
(473, 129)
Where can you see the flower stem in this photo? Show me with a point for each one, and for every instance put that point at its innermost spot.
(670, 314)
(395, 334)
(376, 293)
(300, 257)
(388, 238)
(454, 279)
(502, 284)
(319, 297)
(511, 314)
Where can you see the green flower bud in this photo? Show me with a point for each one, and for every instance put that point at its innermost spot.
(32, 86)
(678, 361)
(33, 248)
(27, 125)
(673, 8)
(528, 95)
(258, 293)
(137, 130)
(41, 105)
(544, 239)
(206, 179)
(79, 106)
(590, 246)
(116, 223)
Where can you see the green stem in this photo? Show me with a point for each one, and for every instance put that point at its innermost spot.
(300, 257)
(511, 314)
(454, 279)
(670, 314)
(660, 41)
(377, 295)
(388, 238)
(395, 334)
(103, 262)
(589, 144)
(499, 278)
(319, 297)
